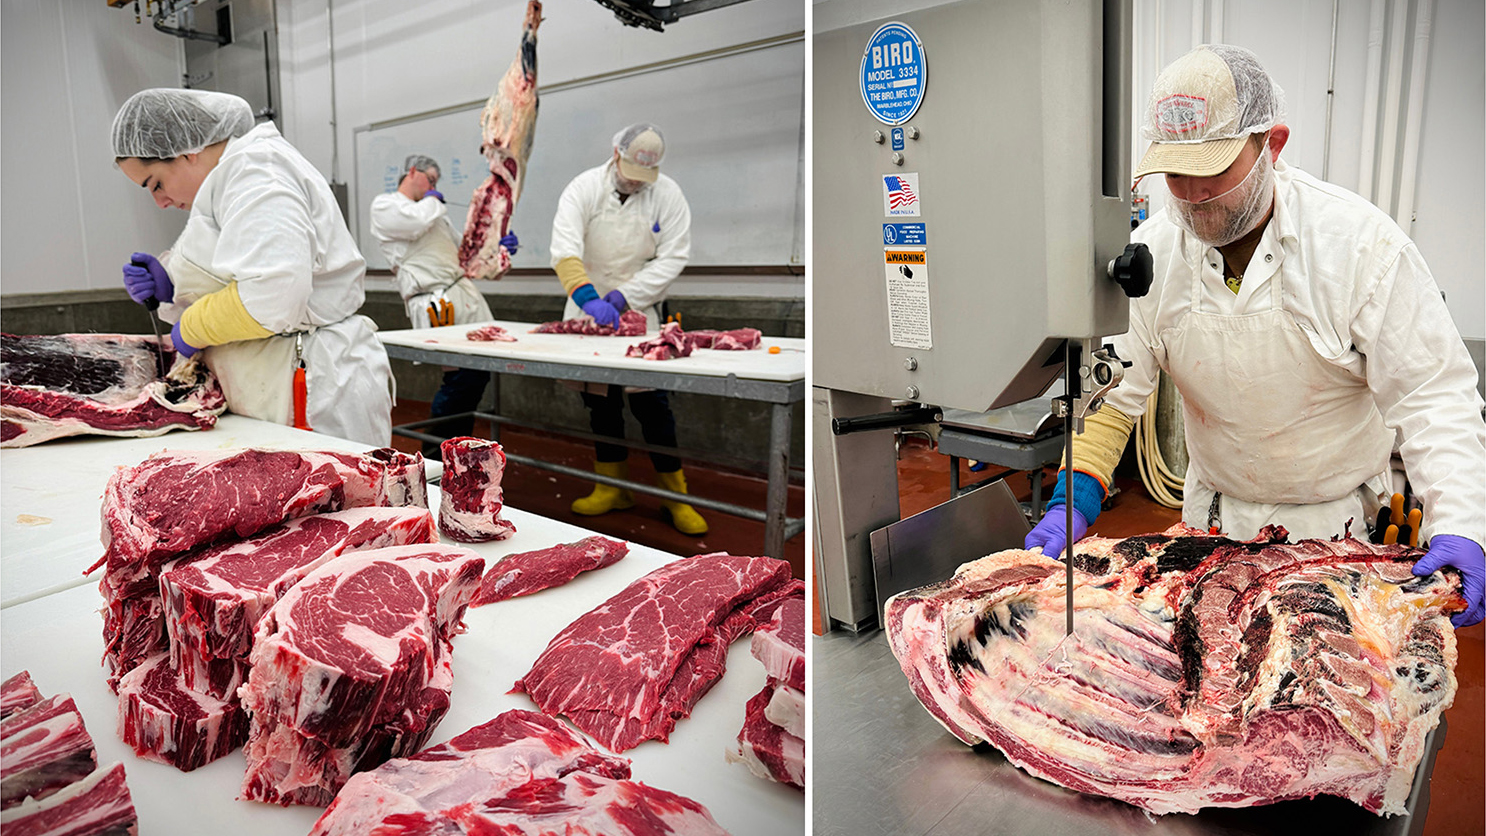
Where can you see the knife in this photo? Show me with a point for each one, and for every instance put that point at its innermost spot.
(150, 305)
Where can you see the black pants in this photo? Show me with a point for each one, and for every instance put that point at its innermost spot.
(652, 409)
(461, 392)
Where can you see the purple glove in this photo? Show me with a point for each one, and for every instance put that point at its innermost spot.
(433, 193)
(1465, 555)
(510, 242)
(1052, 534)
(182, 347)
(145, 278)
(602, 312)
(616, 299)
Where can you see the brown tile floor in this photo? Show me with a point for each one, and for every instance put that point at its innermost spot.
(549, 494)
(1457, 803)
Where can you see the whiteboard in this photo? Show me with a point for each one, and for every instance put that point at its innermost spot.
(734, 132)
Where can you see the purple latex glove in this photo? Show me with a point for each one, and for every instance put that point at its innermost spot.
(434, 194)
(602, 312)
(145, 278)
(616, 299)
(1052, 533)
(1465, 555)
(182, 347)
(510, 242)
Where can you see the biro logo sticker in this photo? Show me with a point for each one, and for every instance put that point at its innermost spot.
(900, 195)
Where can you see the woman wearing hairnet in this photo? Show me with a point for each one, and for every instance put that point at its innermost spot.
(265, 279)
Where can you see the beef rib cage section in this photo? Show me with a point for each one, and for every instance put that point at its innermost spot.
(1201, 671)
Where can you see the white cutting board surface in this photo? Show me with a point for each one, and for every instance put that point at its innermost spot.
(58, 639)
(51, 494)
(608, 352)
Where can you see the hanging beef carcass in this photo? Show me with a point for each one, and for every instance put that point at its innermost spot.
(1201, 671)
(507, 125)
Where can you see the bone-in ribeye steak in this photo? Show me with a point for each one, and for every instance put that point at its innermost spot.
(520, 773)
(99, 384)
(1201, 672)
(351, 666)
(528, 572)
(214, 596)
(626, 671)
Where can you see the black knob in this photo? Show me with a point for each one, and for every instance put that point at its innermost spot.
(1134, 270)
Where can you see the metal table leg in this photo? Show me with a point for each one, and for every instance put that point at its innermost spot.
(954, 476)
(778, 492)
(495, 409)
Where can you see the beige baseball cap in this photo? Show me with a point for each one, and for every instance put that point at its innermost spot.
(1203, 107)
(640, 148)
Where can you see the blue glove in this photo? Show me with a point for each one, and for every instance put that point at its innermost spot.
(510, 242)
(602, 312)
(1465, 555)
(432, 193)
(616, 299)
(182, 347)
(1052, 534)
(145, 278)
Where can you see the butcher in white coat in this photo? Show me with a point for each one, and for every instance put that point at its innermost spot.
(621, 235)
(265, 279)
(412, 226)
(1304, 331)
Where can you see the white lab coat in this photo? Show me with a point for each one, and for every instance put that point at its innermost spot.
(637, 247)
(1293, 388)
(421, 245)
(265, 218)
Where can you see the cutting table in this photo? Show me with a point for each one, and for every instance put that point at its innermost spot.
(756, 375)
(897, 771)
(49, 625)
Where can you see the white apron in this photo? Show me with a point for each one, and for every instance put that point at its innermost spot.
(257, 376)
(616, 245)
(1285, 436)
(430, 272)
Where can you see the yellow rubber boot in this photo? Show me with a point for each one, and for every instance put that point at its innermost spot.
(606, 498)
(683, 516)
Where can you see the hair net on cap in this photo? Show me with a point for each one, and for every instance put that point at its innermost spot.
(1202, 109)
(640, 148)
(165, 122)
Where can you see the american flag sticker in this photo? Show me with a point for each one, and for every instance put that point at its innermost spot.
(900, 195)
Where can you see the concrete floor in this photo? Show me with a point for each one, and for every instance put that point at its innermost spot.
(1458, 785)
(549, 494)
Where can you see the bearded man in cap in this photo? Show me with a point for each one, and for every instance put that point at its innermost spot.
(621, 235)
(1304, 331)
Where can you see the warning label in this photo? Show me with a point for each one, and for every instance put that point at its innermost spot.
(908, 298)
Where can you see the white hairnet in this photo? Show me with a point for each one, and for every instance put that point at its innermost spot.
(164, 123)
(1254, 104)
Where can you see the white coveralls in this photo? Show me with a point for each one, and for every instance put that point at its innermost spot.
(265, 218)
(637, 247)
(1293, 389)
(420, 243)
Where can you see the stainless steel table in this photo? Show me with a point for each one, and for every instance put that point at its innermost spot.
(882, 765)
(777, 379)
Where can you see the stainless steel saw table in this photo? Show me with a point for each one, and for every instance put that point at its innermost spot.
(880, 764)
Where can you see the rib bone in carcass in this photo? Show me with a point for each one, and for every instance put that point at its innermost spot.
(507, 125)
(1201, 671)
